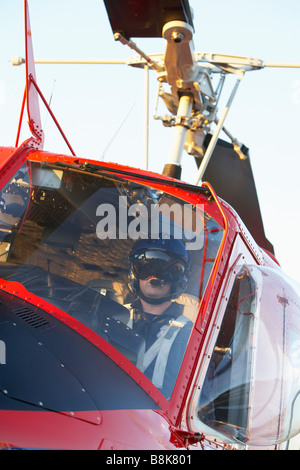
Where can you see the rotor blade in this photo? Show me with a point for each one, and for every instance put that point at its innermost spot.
(232, 179)
(146, 18)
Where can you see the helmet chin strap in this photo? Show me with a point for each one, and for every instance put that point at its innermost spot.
(154, 301)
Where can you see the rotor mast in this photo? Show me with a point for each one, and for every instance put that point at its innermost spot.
(192, 100)
(180, 72)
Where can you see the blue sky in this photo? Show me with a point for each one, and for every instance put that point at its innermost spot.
(90, 102)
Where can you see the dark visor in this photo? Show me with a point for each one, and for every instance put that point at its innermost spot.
(159, 264)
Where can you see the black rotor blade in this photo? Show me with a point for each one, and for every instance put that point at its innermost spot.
(145, 18)
(232, 179)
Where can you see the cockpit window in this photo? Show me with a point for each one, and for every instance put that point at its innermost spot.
(224, 401)
(68, 233)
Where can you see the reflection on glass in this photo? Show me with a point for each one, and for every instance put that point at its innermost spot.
(223, 402)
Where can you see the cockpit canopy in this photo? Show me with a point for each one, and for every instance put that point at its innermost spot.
(66, 231)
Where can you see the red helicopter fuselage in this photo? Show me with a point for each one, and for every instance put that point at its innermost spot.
(147, 419)
(75, 372)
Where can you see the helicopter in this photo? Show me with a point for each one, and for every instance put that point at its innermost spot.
(73, 370)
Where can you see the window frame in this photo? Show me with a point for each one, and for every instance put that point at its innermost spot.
(240, 257)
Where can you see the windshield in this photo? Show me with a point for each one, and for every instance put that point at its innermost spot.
(80, 238)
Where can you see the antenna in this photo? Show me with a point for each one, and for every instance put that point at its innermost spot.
(117, 130)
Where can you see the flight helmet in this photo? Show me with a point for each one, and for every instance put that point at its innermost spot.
(165, 260)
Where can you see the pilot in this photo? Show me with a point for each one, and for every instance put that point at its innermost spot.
(158, 276)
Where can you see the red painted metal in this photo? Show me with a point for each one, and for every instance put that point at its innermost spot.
(51, 114)
(11, 159)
